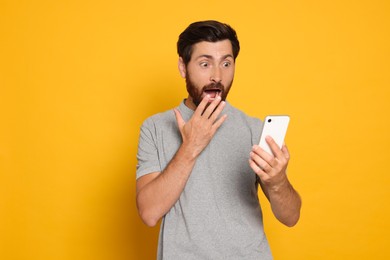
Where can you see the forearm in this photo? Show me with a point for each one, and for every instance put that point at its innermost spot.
(285, 203)
(156, 197)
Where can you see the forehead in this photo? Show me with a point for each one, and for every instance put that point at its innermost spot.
(213, 49)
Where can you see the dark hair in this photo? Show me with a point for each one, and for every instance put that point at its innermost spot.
(210, 31)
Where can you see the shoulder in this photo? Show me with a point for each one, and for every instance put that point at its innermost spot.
(239, 114)
(253, 124)
(154, 126)
(167, 119)
(159, 119)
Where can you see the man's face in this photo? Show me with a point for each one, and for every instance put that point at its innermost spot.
(209, 72)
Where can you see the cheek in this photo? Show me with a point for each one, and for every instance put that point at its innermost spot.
(200, 80)
(202, 76)
(228, 77)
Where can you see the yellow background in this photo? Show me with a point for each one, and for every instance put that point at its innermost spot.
(78, 78)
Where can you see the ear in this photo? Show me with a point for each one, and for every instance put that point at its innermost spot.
(182, 68)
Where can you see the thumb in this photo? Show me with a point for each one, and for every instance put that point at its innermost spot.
(179, 118)
(285, 151)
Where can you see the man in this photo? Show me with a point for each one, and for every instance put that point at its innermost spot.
(199, 165)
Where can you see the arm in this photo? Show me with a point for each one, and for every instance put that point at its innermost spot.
(285, 201)
(157, 192)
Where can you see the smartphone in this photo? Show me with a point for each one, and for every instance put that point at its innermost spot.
(276, 127)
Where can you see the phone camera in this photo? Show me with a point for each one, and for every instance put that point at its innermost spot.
(269, 120)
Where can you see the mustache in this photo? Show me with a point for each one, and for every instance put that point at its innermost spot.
(218, 86)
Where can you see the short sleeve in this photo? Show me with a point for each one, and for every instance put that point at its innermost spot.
(147, 156)
(256, 128)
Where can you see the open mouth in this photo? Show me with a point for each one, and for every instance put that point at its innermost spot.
(213, 92)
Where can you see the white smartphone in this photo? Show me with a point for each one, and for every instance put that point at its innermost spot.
(276, 127)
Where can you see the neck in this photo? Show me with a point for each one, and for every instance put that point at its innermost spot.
(188, 102)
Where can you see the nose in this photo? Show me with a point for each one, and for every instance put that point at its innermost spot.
(216, 75)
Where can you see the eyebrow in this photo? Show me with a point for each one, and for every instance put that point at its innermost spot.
(211, 57)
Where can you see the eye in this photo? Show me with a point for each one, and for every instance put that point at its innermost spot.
(204, 64)
(226, 64)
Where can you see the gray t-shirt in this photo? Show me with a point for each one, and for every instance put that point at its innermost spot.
(218, 215)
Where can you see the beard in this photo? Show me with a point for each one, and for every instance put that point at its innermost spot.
(197, 94)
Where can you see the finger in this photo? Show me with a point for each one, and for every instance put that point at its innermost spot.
(269, 158)
(274, 147)
(201, 107)
(219, 122)
(217, 111)
(179, 118)
(261, 163)
(259, 172)
(211, 108)
(285, 151)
